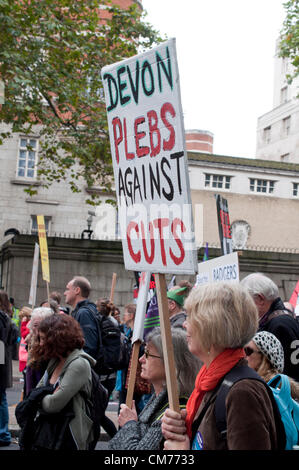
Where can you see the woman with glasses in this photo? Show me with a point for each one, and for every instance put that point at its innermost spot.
(221, 320)
(265, 355)
(143, 432)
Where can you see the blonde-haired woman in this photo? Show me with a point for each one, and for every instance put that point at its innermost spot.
(221, 320)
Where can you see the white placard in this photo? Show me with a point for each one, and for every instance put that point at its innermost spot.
(223, 268)
(141, 306)
(32, 295)
(147, 139)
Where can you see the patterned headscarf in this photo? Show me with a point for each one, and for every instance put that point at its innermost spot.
(271, 347)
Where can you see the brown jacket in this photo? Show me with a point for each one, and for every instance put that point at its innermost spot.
(250, 419)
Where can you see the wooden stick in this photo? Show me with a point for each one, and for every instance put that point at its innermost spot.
(132, 376)
(169, 363)
(112, 287)
(48, 292)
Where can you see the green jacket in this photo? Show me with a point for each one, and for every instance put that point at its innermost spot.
(75, 377)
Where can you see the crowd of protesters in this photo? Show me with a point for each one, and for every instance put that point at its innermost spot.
(216, 330)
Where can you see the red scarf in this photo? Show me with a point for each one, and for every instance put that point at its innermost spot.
(207, 379)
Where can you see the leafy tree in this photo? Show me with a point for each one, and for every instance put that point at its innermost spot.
(51, 55)
(289, 44)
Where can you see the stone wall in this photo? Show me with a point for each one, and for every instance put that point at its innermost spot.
(98, 260)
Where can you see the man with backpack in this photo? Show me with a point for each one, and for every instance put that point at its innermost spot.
(85, 312)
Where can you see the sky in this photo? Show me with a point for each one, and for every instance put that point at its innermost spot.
(225, 51)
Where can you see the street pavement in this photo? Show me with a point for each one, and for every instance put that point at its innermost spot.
(14, 395)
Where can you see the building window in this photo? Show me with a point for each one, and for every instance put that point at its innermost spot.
(284, 95)
(217, 181)
(27, 160)
(261, 186)
(267, 134)
(34, 230)
(295, 189)
(286, 125)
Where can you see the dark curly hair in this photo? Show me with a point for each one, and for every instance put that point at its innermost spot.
(62, 333)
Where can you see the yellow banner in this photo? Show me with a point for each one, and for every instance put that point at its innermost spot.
(43, 247)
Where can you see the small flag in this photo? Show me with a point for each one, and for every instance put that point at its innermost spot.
(206, 253)
(43, 246)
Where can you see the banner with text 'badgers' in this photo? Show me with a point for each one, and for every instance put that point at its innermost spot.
(223, 268)
(147, 140)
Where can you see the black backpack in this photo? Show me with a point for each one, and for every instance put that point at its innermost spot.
(96, 406)
(238, 372)
(125, 351)
(115, 348)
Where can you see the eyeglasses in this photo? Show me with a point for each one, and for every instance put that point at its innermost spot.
(147, 354)
(249, 351)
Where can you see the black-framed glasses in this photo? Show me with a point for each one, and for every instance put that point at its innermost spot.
(249, 351)
(147, 354)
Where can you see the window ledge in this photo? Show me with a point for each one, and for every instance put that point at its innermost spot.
(25, 182)
(42, 201)
(100, 191)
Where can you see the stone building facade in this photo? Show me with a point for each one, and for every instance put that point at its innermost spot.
(262, 195)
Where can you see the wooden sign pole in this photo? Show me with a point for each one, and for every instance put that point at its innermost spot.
(112, 287)
(48, 292)
(133, 370)
(169, 363)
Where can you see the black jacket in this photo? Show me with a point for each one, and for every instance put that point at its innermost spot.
(284, 326)
(41, 430)
(85, 313)
(8, 336)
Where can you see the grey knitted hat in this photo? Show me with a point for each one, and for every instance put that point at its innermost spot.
(271, 347)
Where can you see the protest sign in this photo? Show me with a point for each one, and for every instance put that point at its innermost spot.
(224, 225)
(34, 274)
(223, 268)
(43, 245)
(147, 141)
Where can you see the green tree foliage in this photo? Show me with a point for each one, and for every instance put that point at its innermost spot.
(51, 55)
(289, 44)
